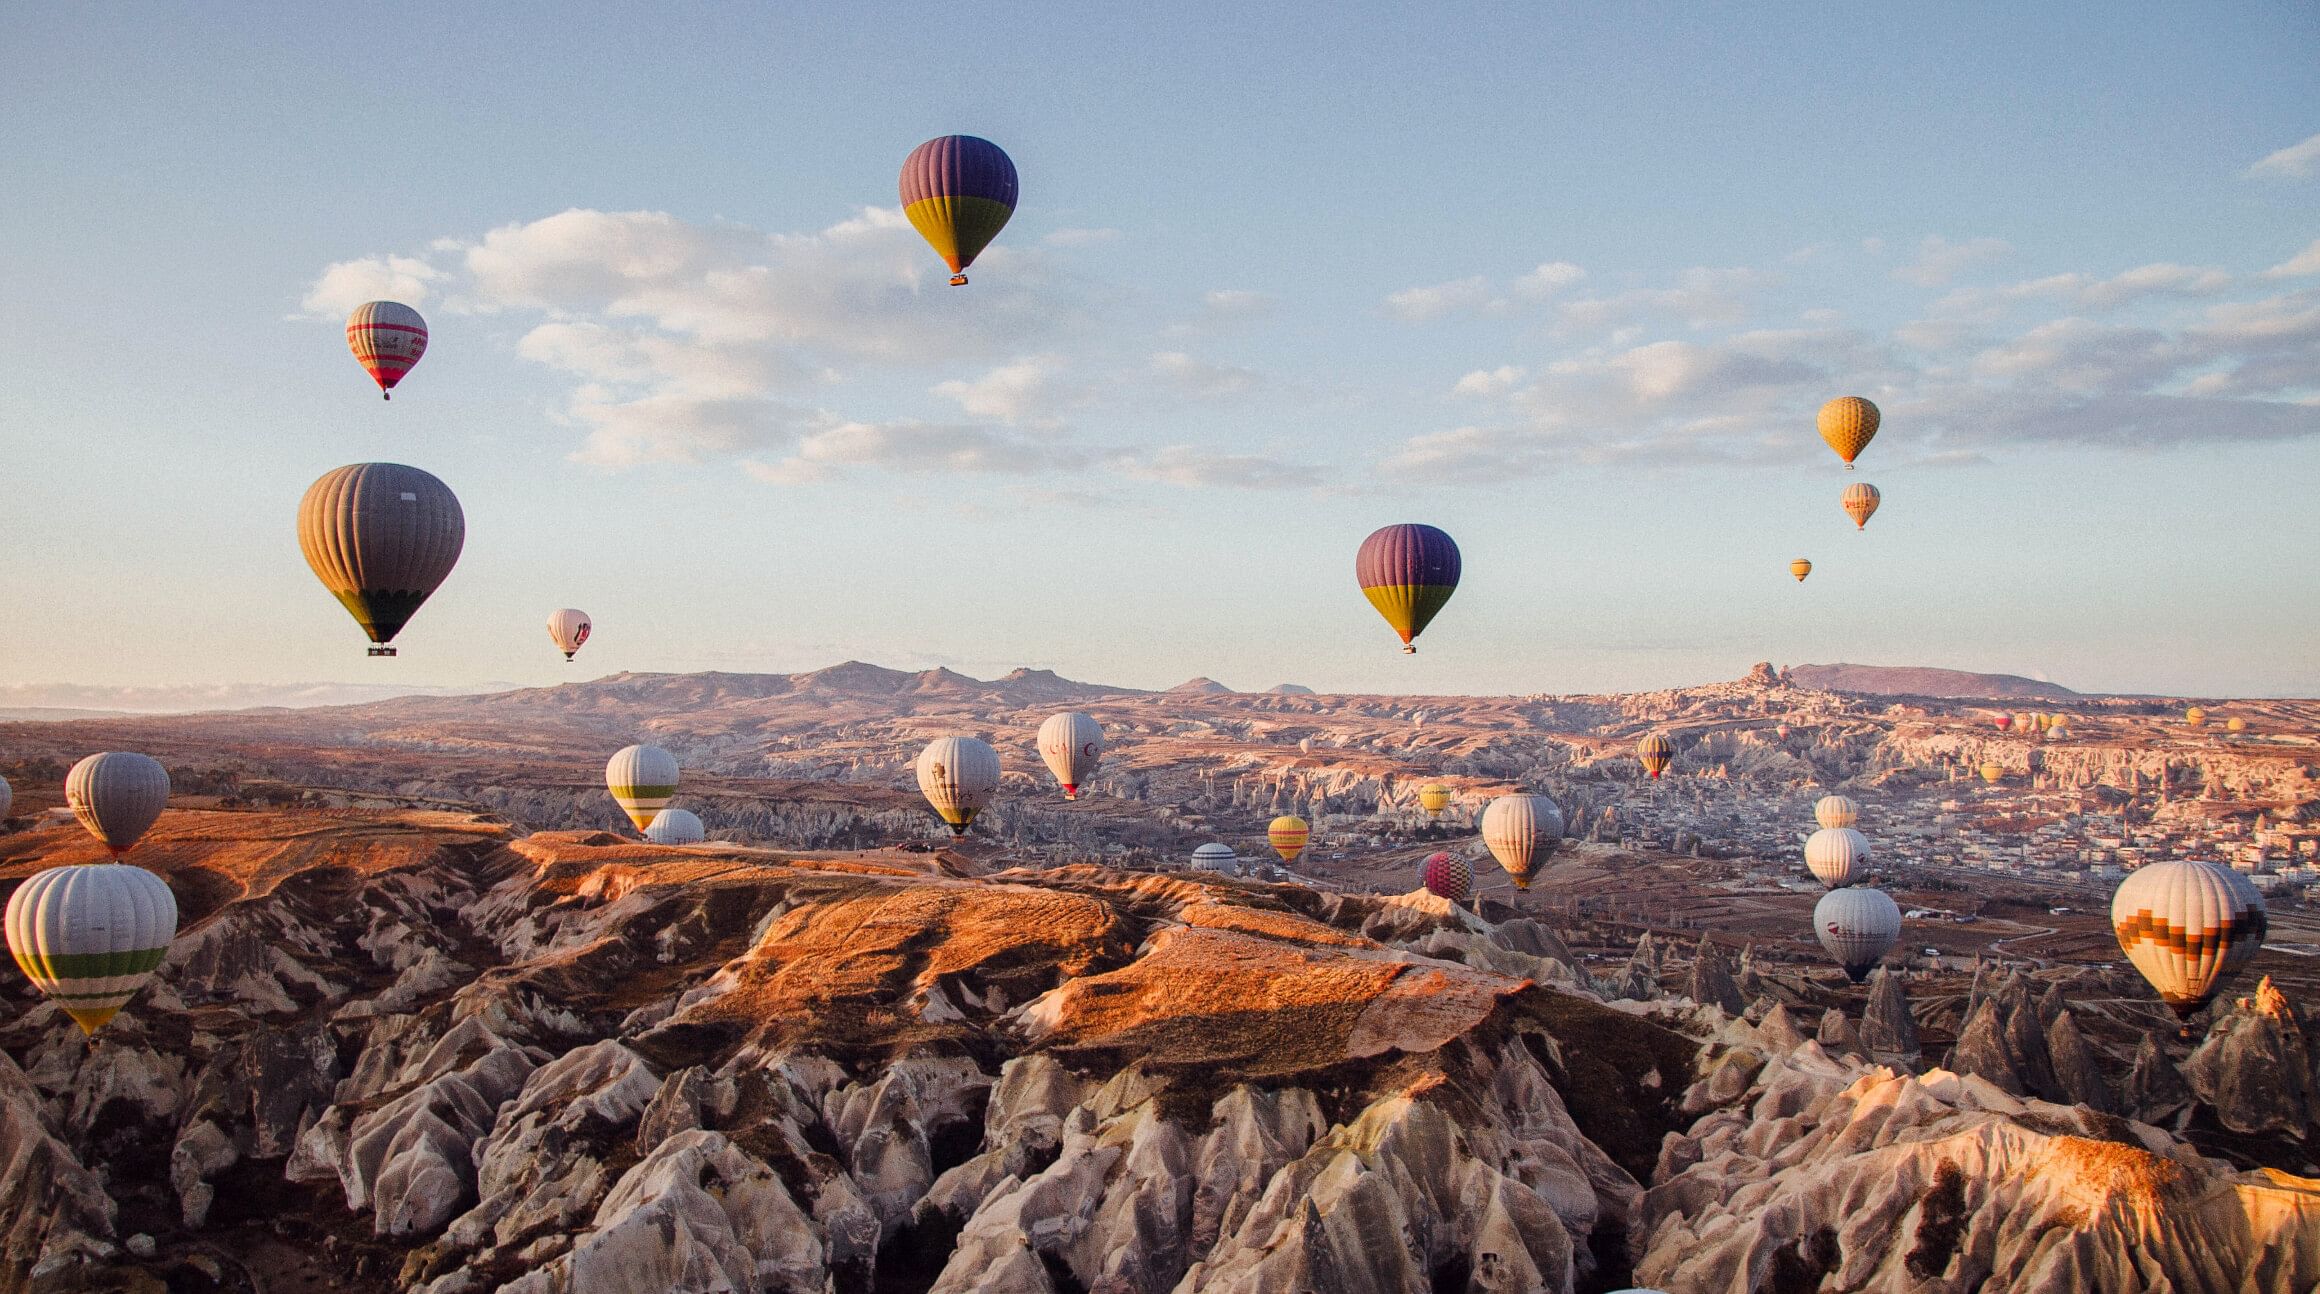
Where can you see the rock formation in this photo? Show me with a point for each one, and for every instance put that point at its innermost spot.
(1710, 982)
(1888, 1030)
(2256, 1069)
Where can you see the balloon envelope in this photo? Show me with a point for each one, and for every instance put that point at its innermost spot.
(1836, 811)
(1848, 423)
(1656, 752)
(958, 191)
(1408, 572)
(387, 338)
(1433, 798)
(89, 936)
(675, 827)
(1521, 832)
(7, 797)
(1072, 744)
(1992, 772)
(2195, 716)
(568, 628)
(1287, 835)
(2188, 927)
(1447, 876)
(1800, 568)
(1860, 503)
(1857, 926)
(642, 779)
(1215, 857)
(958, 776)
(382, 538)
(1837, 855)
(117, 795)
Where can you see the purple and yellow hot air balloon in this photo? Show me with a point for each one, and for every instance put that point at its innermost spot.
(1408, 572)
(1656, 753)
(958, 192)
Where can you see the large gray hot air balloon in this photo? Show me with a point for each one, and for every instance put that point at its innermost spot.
(117, 795)
(675, 827)
(1522, 832)
(642, 779)
(7, 797)
(1216, 857)
(958, 776)
(381, 537)
(1857, 925)
(1836, 811)
(1072, 744)
(90, 935)
(1837, 855)
(2188, 927)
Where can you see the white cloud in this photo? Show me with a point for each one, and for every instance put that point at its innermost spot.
(1419, 305)
(1939, 260)
(2295, 162)
(1200, 379)
(668, 428)
(2302, 264)
(1548, 279)
(1019, 392)
(346, 284)
(1236, 303)
(1490, 381)
(2087, 292)
(914, 448)
(1701, 297)
(1196, 466)
(1080, 237)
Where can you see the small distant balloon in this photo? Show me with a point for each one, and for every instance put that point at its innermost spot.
(1072, 744)
(1287, 835)
(1521, 832)
(1837, 856)
(958, 191)
(1800, 568)
(117, 795)
(642, 779)
(2004, 721)
(1408, 572)
(387, 338)
(2235, 724)
(1656, 752)
(1216, 857)
(1433, 798)
(568, 628)
(1836, 811)
(1860, 503)
(958, 776)
(1992, 772)
(2194, 716)
(1848, 423)
(675, 827)
(1447, 876)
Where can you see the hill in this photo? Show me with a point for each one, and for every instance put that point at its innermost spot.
(1918, 680)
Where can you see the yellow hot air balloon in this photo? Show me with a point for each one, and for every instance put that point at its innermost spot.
(2235, 724)
(1433, 798)
(1656, 752)
(1287, 836)
(1992, 772)
(1800, 568)
(1860, 503)
(1848, 423)
(2194, 716)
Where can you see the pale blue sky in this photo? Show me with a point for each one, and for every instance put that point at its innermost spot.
(1567, 283)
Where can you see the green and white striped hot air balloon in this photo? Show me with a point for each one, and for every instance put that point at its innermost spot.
(90, 935)
(642, 779)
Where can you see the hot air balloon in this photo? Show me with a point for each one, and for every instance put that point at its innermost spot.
(1837, 855)
(569, 628)
(1781, 731)
(89, 936)
(387, 338)
(1447, 876)
(1836, 811)
(958, 192)
(1522, 832)
(2058, 731)
(1433, 798)
(2043, 720)
(1860, 503)
(2235, 724)
(1857, 925)
(2004, 721)
(2188, 927)
(642, 779)
(1408, 572)
(2195, 716)
(1800, 568)
(958, 776)
(117, 795)
(675, 827)
(382, 537)
(7, 797)
(1992, 772)
(1848, 423)
(1072, 744)
(1214, 857)
(1656, 752)
(1287, 835)
(2025, 721)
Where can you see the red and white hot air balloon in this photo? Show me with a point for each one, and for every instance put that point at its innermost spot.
(387, 338)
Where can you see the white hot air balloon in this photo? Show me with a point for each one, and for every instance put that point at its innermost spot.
(1836, 811)
(2188, 927)
(1837, 855)
(90, 935)
(569, 628)
(642, 779)
(1072, 744)
(1522, 832)
(958, 776)
(117, 795)
(1216, 857)
(1858, 926)
(675, 827)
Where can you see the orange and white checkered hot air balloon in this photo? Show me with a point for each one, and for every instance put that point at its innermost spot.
(1848, 423)
(387, 338)
(1860, 503)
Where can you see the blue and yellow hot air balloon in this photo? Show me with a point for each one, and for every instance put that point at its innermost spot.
(1408, 572)
(958, 192)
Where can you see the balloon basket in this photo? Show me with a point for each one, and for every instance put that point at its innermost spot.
(380, 651)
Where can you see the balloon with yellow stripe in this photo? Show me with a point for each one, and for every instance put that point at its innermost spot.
(1287, 835)
(958, 192)
(89, 936)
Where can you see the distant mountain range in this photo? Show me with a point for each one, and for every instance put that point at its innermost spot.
(1918, 680)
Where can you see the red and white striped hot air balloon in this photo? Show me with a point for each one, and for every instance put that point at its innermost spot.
(387, 338)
